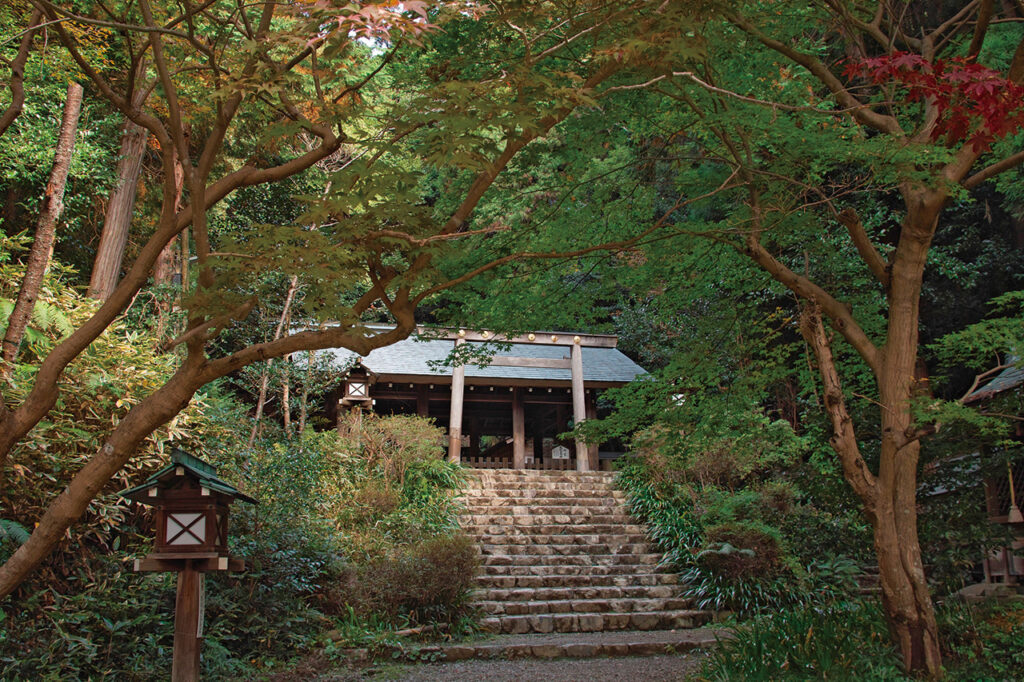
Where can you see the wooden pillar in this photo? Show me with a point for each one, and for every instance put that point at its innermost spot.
(593, 450)
(188, 615)
(579, 405)
(422, 401)
(455, 416)
(518, 431)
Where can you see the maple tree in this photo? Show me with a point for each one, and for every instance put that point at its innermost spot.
(374, 96)
(834, 139)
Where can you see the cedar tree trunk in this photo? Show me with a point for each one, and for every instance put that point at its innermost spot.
(106, 268)
(42, 245)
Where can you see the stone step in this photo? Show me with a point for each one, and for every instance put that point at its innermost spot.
(580, 645)
(562, 593)
(556, 560)
(552, 549)
(576, 645)
(552, 529)
(594, 622)
(576, 581)
(568, 507)
(523, 542)
(501, 488)
(582, 569)
(641, 605)
(492, 519)
(530, 494)
(540, 474)
(472, 503)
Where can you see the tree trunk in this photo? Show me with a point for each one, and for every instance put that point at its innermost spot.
(304, 402)
(265, 378)
(163, 269)
(17, 79)
(106, 269)
(42, 246)
(905, 593)
(286, 398)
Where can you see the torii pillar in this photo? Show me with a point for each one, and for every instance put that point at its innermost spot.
(579, 403)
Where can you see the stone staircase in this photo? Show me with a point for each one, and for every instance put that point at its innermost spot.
(560, 553)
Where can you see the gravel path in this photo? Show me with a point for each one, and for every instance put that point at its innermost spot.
(632, 669)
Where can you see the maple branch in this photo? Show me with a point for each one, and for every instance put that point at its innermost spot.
(873, 28)
(978, 378)
(955, 22)
(980, 28)
(202, 331)
(17, 81)
(865, 115)
(753, 100)
(994, 169)
(561, 255)
(851, 221)
(844, 438)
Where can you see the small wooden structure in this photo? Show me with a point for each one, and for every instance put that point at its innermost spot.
(191, 519)
(1004, 492)
(503, 414)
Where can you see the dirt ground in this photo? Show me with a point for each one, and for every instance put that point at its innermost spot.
(629, 669)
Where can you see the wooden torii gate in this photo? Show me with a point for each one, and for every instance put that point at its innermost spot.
(574, 363)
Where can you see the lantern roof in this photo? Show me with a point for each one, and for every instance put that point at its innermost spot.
(202, 472)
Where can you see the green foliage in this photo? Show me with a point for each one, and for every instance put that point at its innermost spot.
(110, 623)
(984, 642)
(736, 549)
(840, 641)
(117, 371)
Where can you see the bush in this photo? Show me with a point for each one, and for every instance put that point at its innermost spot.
(983, 643)
(741, 550)
(842, 641)
(428, 581)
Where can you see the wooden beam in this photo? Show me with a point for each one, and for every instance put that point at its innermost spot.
(518, 431)
(422, 401)
(187, 616)
(445, 379)
(544, 363)
(539, 338)
(579, 407)
(455, 415)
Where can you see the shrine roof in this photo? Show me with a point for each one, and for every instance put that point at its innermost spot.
(417, 356)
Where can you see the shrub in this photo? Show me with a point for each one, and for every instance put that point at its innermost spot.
(847, 641)
(428, 581)
(741, 550)
(983, 643)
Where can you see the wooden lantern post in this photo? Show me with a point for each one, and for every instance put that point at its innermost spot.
(191, 506)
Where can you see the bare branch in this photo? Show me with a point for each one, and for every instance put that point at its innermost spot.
(17, 66)
(851, 221)
(865, 115)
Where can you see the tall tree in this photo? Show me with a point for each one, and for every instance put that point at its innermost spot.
(46, 229)
(117, 219)
(839, 128)
(269, 89)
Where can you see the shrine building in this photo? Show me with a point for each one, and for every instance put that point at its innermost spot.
(505, 414)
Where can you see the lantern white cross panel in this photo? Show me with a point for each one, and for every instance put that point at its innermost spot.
(186, 529)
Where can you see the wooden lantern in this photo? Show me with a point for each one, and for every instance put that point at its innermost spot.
(357, 386)
(191, 505)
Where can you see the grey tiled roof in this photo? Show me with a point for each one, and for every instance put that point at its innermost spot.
(412, 357)
(1011, 377)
